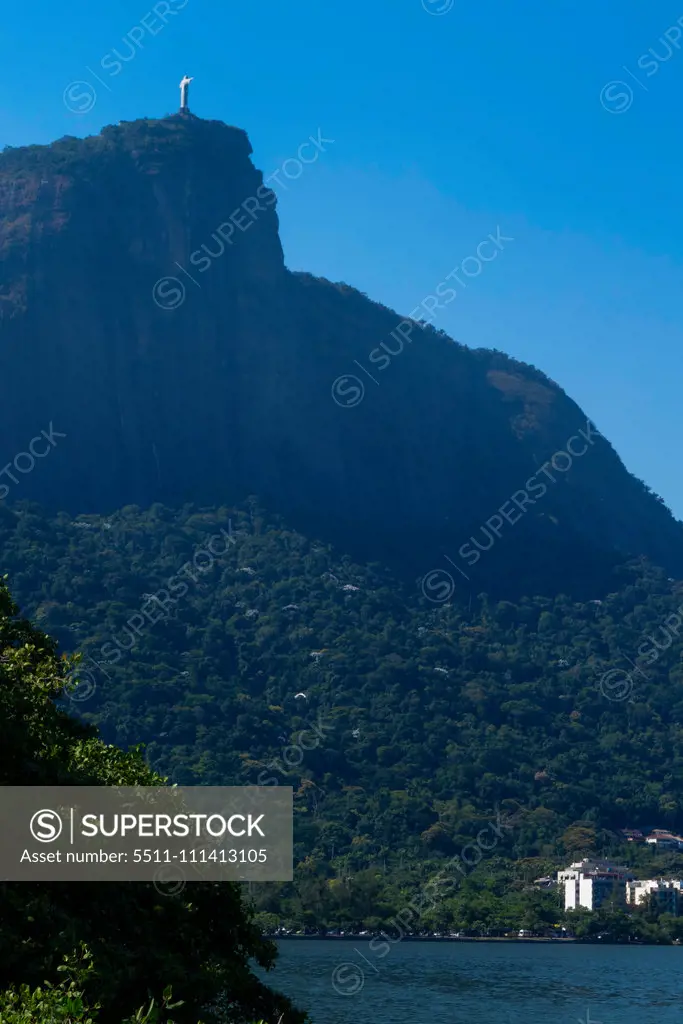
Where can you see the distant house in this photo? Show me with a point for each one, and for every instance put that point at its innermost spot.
(633, 835)
(665, 840)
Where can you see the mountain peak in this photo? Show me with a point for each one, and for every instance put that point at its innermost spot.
(146, 314)
(148, 194)
(142, 131)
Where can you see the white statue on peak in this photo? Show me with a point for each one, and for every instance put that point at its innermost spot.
(184, 90)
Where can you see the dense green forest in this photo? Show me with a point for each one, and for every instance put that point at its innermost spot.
(239, 652)
(120, 945)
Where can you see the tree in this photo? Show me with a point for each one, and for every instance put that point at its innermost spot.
(579, 838)
(202, 939)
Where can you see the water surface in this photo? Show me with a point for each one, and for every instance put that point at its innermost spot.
(345, 982)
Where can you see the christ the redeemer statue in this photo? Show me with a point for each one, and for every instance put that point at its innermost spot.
(184, 90)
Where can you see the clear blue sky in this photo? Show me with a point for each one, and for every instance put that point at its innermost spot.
(446, 125)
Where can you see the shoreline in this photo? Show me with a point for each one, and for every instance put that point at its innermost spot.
(570, 940)
(441, 938)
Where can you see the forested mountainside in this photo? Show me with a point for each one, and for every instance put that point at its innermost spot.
(402, 723)
(179, 360)
(458, 605)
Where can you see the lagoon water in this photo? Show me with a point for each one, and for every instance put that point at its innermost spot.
(344, 982)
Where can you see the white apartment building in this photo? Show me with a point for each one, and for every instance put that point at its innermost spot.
(666, 892)
(591, 883)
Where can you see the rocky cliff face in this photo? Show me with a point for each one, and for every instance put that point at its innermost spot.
(146, 313)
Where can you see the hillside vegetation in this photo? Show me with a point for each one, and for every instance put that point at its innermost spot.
(420, 722)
